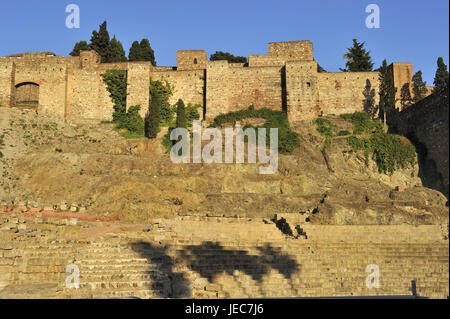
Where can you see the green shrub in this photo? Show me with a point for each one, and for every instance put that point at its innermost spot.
(324, 127)
(192, 113)
(344, 133)
(288, 140)
(132, 121)
(388, 151)
(362, 123)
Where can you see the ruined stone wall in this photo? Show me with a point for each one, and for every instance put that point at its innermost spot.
(426, 125)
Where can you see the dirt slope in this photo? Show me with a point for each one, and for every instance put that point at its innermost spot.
(92, 166)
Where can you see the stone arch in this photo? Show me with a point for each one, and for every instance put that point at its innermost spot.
(26, 94)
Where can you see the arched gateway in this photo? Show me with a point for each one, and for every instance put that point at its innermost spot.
(27, 95)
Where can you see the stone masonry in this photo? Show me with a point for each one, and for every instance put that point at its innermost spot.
(72, 89)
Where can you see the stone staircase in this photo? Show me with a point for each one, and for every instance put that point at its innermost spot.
(226, 258)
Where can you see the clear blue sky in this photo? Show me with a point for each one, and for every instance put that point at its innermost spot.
(414, 31)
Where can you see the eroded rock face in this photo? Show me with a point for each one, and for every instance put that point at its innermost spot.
(97, 169)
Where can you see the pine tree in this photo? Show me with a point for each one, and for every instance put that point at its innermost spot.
(405, 96)
(100, 42)
(147, 53)
(79, 46)
(441, 77)
(117, 53)
(387, 91)
(181, 115)
(358, 59)
(152, 119)
(419, 87)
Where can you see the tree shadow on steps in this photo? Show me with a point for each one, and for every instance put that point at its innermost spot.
(166, 283)
(211, 259)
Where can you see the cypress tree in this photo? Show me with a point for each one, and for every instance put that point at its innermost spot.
(117, 51)
(441, 77)
(419, 87)
(387, 91)
(153, 117)
(79, 46)
(147, 53)
(142, 52)
(369, 99)
(358, 59)
(100, 42)
(181, 115)
(135, 52)
(405, 96)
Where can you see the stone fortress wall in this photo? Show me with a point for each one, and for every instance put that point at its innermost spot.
(72, 89)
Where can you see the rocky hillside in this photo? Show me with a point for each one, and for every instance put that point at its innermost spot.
(50, 164)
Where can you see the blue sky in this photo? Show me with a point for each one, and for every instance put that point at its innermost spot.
(414, 31)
